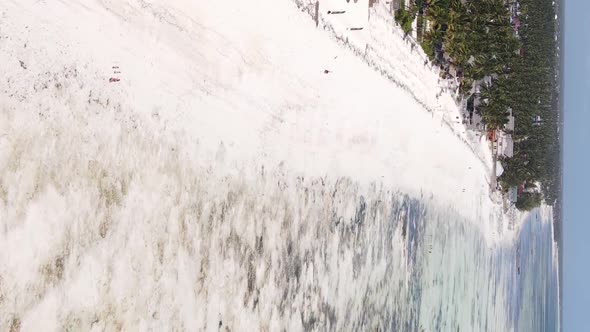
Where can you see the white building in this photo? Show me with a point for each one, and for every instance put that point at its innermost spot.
(513, 194)
(505, 141)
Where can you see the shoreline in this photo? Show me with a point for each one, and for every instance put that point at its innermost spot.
(442, 105)
(269, 208)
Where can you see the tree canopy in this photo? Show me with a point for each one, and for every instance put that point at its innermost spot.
(515, 48)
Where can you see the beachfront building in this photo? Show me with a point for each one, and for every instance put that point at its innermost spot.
(513, 194)
(395, 5)
(505, 145)
(509, 126)
(513, 8)
(505, 140)
(537, 121)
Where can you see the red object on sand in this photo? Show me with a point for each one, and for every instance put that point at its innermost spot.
(492, 136)
(114, 79)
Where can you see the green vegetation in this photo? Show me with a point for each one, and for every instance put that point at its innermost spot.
(405, 17)
(478, 39)
(528, 201)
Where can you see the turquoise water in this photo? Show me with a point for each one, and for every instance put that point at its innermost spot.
(349, 258)
(364, 259)
(334, 255)
(468, 286)
(278, 252)
(536, 295)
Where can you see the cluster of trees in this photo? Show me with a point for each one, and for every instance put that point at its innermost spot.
(527, 201)
(405, 15)
(477, 38)
(534, 94)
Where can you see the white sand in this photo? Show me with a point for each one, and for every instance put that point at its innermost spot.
(211, 89)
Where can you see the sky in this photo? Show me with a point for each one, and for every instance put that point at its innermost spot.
(576, 275)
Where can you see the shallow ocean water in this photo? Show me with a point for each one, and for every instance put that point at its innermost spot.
(194, 249)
